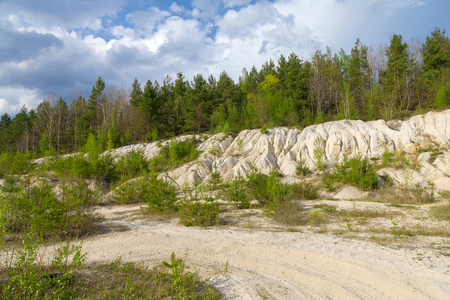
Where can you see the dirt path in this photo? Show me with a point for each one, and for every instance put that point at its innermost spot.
(277, 265)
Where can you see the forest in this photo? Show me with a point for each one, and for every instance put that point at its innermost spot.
(387, 81)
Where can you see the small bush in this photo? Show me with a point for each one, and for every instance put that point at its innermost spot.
(290, 213)
(27, 278)
(301, 168)
(237, 193)
(268, 190)
(177, 153)
(319, 154)
(357, 171)
(35, 209)
(131, 165)
(196, 209)
(158, 194)
(15, 163)
(303, 191)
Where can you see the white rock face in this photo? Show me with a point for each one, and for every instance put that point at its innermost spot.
(282, 148)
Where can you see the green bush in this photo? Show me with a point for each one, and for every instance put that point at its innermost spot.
(319, 154)
(268, 190)
(177, 153)
(237, 193)
(23, 276)
(301, 168)
(15, 163)
(304, 190)
(131, 165)
(36, 210)
(100, 167)
(357, 171)
(197, 209)
(27, 278)
(158, 194)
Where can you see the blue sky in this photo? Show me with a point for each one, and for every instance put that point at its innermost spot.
(61, 47)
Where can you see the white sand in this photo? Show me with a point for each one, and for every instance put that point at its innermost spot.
(278, 265)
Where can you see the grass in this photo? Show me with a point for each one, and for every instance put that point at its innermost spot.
(24, 277)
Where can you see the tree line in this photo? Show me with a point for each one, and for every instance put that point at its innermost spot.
(389, 81)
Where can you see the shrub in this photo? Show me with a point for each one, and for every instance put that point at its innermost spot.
(290, 213)
(131, 165)
(28, 279)
(268, 190)
(216, 178)
(35, 209)
(303, 190)
(301, 168)
(181, 152)
(357, 171)
(15, 163)
(157, 193)
(198, 210)
(237, 193)
(100, 167)
(319, 154)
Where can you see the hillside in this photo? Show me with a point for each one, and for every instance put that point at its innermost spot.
(344, 209)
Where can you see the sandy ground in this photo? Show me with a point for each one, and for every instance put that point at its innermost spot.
(246, 263)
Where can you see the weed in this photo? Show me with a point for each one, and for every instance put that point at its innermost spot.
(301, 169)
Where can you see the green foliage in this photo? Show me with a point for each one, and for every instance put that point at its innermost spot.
(268, 190)
(131, 165)
(216, 178)
(443, 96)
(357, 171)
(197, 209)
(319, 154)
(157, 193)
(177, 153)
(304, 190)
(68, 277)
(34, 209)
(237, 193)
(301, 169)
(28, 279)
(15, 163)
(264, 130)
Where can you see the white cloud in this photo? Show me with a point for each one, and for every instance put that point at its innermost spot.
(59, 57)
(61, 13)
(233, 3)
(147, 20)
(205, 8)
(13, 99)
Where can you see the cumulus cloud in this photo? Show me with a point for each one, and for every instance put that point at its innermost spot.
(61, 13)
(147, 20)
(19, 46)
(46, 51)
(12, 99)
(233, 3)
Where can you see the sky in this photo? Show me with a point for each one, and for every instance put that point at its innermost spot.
(61, 47)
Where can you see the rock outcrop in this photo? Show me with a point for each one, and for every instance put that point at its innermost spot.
(283, 148)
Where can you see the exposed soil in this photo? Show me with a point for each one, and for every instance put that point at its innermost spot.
(249, 256)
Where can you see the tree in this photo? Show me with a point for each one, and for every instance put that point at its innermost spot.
(395, 77)
(358, 74)
(136, 94)
(94, 106)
